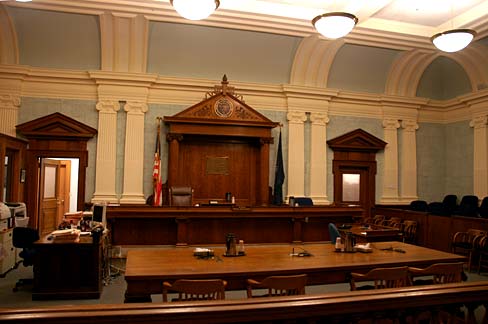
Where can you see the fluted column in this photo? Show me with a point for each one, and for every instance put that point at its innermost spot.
(296, 153)
(480, 168)
(9, 107)
(134, 153)
(409, 161)
(390, 176)
(318, 156)
(106, 152)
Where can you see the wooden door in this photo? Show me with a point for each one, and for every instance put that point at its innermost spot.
(353, 186)
(64, 188)
(49, 196)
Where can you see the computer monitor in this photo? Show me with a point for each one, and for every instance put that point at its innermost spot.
(99, 214)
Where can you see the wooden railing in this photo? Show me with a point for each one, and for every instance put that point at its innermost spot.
(400, 305)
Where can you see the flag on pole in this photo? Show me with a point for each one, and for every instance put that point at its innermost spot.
(279, 176)
(157, 184)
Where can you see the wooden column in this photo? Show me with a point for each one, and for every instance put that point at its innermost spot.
(263, 196)
(174, 153)
(106, 152)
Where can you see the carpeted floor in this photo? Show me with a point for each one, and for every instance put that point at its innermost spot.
(114, 288)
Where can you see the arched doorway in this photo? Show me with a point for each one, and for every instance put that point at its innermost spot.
(53, 138)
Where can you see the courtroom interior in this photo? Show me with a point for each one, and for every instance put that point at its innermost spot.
(255, 149)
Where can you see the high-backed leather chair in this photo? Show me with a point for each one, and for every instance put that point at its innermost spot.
(24, 238)
(304, 201)
(483, 210)
(418, 205)
(468, 206)
(180, 196)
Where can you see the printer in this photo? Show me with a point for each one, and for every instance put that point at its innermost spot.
(18, 213)
(6, 221)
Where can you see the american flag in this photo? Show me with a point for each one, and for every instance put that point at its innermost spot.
(157, 184)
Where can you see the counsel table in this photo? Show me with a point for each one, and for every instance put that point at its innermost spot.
(147, 268)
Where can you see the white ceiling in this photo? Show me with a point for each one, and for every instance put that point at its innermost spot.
(400, 24)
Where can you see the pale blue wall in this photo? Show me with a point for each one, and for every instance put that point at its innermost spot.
(459, 159)
(361, 68)
(57, 40)
(443, 79)
(209, 52)
(80, 110)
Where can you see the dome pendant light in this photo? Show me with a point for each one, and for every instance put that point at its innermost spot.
(453, 40)
(335, 25)
(195, 9)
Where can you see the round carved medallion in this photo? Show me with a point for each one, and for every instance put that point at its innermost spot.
(223, 107)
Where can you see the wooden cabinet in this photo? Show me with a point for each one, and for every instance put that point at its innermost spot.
(68, 270)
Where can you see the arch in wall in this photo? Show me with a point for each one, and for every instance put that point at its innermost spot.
(9, 52)
(407, 70)
(54, 136)
(313, 60)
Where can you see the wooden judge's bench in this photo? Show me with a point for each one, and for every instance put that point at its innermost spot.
(180, 226)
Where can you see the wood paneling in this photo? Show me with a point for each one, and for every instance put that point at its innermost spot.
(145, 225)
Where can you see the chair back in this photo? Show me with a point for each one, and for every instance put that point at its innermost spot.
(441, 273)
(468, 206)
(410, 231)
(483, 210)
(383, 278)
(449, 203)
(24, 237)
(303, 201)
(194, 289)
(333, 233)
(279, 285)
(418, 205)
(378, 219)
(181, 196)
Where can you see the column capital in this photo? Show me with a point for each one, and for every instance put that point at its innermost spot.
(410, 125)
(108, 106)
(136, 107)
(391, 123)
(9, 101)
(296, 117)
(319, 118)
(479, 122)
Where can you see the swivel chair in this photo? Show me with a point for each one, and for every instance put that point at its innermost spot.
(333, 233)
(24, 238)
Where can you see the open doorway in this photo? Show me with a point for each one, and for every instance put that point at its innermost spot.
(58, 191)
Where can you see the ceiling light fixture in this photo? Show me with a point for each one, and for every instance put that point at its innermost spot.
(453, 40)
(195, 9)
(335, 25)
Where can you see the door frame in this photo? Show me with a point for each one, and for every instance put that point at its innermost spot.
(356, 152)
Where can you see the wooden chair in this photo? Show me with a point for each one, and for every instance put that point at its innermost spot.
(392, 222)
(410, 231)
(382, 278)
(440, 273)
(483, 253)
(465, 243)
(378, 219)
(205, 289)
(278, 285)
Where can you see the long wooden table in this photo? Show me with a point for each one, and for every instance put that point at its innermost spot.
(146, 269)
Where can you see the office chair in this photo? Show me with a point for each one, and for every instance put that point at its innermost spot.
(181, 196)
(303, 201)
(333, 233)
(468, 206)
(23, 238)
(418, 205)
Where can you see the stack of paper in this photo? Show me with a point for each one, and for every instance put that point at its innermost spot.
(66, 235)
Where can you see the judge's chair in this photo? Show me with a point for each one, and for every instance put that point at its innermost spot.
(278, 286)
(24, 238)
(195, 289)
(180, 196)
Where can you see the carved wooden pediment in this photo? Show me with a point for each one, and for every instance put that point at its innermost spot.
(222, 105)
(357, 140)
(56, 125)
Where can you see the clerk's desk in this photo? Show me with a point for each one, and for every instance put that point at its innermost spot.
(68, 270)
(146, 269)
